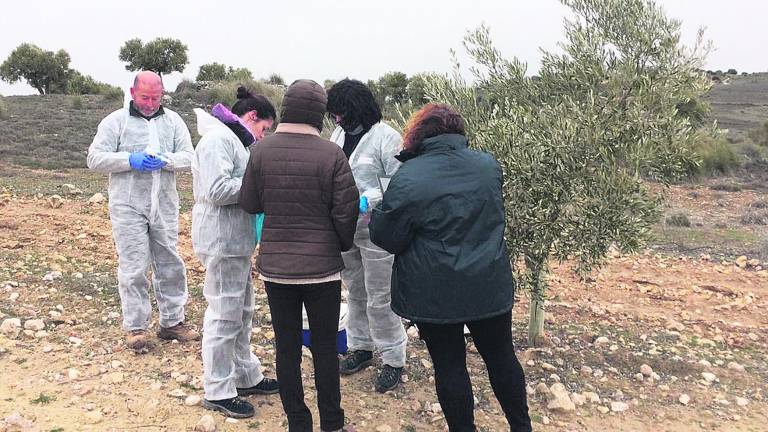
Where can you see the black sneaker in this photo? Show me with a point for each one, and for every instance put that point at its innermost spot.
(234, 408)
(355, 361)
(267, 386)
(388, 379)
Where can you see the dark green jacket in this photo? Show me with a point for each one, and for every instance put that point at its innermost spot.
(443, 218)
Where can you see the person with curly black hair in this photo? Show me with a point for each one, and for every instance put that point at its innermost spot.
(371, 146)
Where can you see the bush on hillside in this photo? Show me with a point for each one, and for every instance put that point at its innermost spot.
(716, 156)
(3, 109)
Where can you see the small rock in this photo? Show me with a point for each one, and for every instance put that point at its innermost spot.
(736, 367)
(426, 363)
(542, 389)
(639, 377)
(705, 363)
(206, 424)
(709, 377)
(548, 367)
(73, 374)
(55, 201)
(603, 409)
(586, 371)
(17, 423)
(157, 385)
(684, 399)
(11, 327)
(116, 377)
(34, 325)
(618, 407)
(436, 408)
(192, 400)
(578, 400)
(231, 420)
(384, 428)
(178, 393)
(742, 402)
(559, 399)
(591, 397)
(75, 341)
(13, 297)
(646, 370)
(602, 340)
(94, 417)
(97, 198)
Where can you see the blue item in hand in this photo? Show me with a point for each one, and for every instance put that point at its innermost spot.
(258, 226)
(363, 204)
(152, 163)
(136, 160)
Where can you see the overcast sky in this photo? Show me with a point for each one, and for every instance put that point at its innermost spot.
(337, 38)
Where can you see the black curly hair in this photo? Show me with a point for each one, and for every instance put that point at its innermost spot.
(354, 102)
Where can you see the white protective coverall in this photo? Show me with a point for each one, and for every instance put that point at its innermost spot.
(144, 210)
(368, 268)
(223, 238)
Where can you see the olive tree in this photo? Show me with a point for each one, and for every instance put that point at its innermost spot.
(161, 55)
(579, 142)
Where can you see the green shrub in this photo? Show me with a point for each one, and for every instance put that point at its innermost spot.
(752, 217)
(679, 220)
(716, 156)
(226, 92)
(3, 109)
(760, 135)
(77, 102)
(726, 187)
(114, 94)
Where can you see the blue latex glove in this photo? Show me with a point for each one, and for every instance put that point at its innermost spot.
(364, 204)
(258, 226)
(152, 163)
(136, 160)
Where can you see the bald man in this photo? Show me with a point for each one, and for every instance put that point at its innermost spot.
(142, 147)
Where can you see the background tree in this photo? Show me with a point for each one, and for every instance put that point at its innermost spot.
(328, 83)
(393, 86)
(275, 79)
(577, 143)
(239, 74)
(416, 89)
(46, 71)
(212, 72)
(162, 55)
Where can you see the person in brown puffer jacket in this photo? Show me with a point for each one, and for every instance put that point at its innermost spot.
(304, 186)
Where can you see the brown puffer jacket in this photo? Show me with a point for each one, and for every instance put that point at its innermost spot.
(304, 186)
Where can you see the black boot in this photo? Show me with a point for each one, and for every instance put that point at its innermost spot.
(234, 407)
(355, 361)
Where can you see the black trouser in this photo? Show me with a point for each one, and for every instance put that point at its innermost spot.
(493, 339)
(322, 304)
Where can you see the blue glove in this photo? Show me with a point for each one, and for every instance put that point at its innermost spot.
(136, 160)
(152, 163)
(364, 204)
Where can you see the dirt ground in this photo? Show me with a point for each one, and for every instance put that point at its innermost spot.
(673, 339)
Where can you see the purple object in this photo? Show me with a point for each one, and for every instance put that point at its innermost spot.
(224, 115)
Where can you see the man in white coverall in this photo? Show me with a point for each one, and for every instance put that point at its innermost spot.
(371, 146)
(142, 147)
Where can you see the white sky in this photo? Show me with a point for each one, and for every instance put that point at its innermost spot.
(361, 39)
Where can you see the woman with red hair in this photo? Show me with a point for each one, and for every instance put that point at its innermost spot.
(442, 216)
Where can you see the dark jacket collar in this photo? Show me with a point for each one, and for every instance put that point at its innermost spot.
(135, 113)
(445, 142)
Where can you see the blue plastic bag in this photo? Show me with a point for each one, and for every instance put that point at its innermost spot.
(258, 226)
